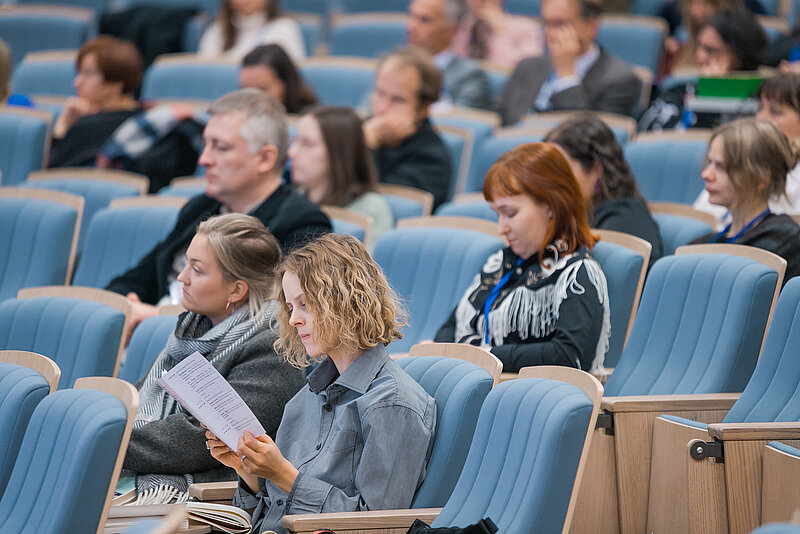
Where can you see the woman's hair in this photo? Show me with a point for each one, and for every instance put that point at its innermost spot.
(346, 293)
(298, 94)
(5, 72)
(740, 30)
(587, 140)
(755, 152)
(245, 250)
(117, 60)
(352, 172)
(272, 10)
(541, 171)
(783, 89)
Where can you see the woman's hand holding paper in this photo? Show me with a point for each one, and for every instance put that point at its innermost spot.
(261, 458)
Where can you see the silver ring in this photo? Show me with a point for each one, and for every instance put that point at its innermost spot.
(243, 458)
(208, 446)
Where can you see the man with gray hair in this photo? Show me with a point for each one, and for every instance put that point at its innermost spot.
(431, 26)
(246, 140)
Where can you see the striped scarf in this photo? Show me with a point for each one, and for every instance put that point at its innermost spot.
(193, 333)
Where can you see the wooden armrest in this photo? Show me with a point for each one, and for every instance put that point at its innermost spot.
(373, 519)
(669, 403)
(214, 491)
(754, 431)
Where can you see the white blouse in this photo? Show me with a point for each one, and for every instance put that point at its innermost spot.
(252, 31)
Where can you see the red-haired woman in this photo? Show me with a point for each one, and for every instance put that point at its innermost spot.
(545, 297)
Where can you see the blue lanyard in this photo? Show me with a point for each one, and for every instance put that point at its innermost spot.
(487, 306)
(721, 236)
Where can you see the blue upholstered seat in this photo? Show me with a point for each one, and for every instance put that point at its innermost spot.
(430, 268)
(523, 458)
(21, 390)
(531, 8)
(30, 29)
(117, 238)
(667, 170)
(147, 341)
(314, 7)
(677, 231)
(459, 388)
(698, 328)
(23, 141)
(45, 74)
(778, 528)
(61, 477)
(190, 78)
(81, 336)
(339, 83)
(96, 194)
(35, 242)
(346, 227)
(494, 147)
(370, 6)
(455, 147)
(370, 38)
(479, 209)
(617, 35)
(622, 268)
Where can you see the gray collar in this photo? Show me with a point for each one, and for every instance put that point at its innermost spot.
(357, 377)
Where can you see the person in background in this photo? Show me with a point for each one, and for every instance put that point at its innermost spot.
(431, 26)
(270, 69)
(748, 161)
(779, 102)
(333, 165)
(246, 140)
(360, 434)
(243, 25)
(575, 73)
(542, 300)
(406, 149)
(489, 33)
(228, 287)
(109, 73)
(607, 184)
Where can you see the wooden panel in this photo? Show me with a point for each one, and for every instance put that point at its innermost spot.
(670, 403)
(743, 481)
(213, 491)
(780, 480)
(371, 522)
(668, 502)
(755, 431)
(634, 438)
(707, 506)
(596, 509)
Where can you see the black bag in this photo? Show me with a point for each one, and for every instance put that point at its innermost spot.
(484, 526)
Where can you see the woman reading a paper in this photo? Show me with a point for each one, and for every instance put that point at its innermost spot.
(227, 286)
(359, 434)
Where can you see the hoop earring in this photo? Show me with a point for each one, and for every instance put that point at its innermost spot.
(227, 305)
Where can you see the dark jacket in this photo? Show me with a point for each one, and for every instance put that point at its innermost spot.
(291, 218)
(421, 161)
(630, 215)
(82, 143)
(176, 445)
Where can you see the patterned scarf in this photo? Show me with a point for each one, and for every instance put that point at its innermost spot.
(193, 333)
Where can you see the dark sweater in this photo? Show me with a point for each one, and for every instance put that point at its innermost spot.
(630, 215)
(291, 218)
(82, 142)
(176, 445)
(775, 233)
(421, 161)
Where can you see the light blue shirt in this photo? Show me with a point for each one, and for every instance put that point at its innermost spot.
(361, 441)
(553, 84)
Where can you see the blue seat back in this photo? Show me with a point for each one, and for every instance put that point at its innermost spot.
(81, 336)
(430, 268)
(366, 39)
(488, 152)
(312, 30)
(96, 195)
(677, 230)
(370, 6)
(616, 36)
(147, 342)
(337, 85)
(313, 7)
(118, 238)
(459, 388)
(346, 227)
(667, 170)
(23, 141)
(699, 326)
(778, 528)
(622, 267)
(21, 390)
(99, 6)
(31, 31)
(497, 80)
(185, 192)
(479, 210)
(64, 467)
(35, 243)
(523, 459)
(52, 77)
(773, 392)
(194, 79)
(403, 207)
(531, 8)
(455, 147)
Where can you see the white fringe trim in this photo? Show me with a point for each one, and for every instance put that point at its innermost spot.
(534, 313)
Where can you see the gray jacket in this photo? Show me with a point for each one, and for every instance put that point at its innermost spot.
(466, 83)
(176, 445)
